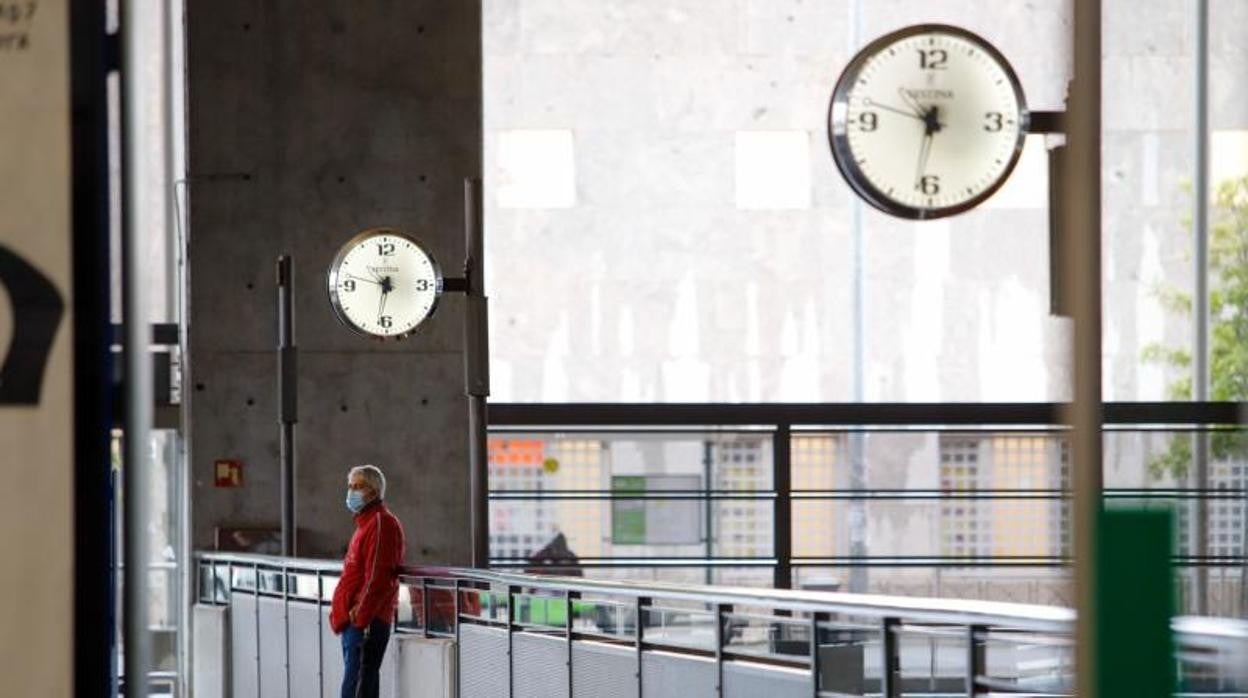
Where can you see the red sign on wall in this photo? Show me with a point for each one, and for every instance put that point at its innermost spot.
(229, 473)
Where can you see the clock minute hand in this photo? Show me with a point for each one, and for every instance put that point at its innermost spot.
(360, 278)
(872, 103)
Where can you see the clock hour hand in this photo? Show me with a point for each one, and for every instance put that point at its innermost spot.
(924, 151)
(872, 103)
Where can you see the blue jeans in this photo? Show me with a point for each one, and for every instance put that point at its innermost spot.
(362, 651)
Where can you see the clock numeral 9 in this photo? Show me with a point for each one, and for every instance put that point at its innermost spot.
(385, 249)
(928, 184)
(933, 58)
(994, 121)
(385, 321)
(868, 121)
(348, 285)
(422, 284)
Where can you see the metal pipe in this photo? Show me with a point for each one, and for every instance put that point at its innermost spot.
(857, 468)
(287, 396)
(476, 371)
(1200, 293)
(138, 371)
(1081, 258)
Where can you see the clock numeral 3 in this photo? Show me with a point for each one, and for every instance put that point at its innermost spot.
(385, 249)
(928, 184)
(868, 121)
(933, 58)
(422, 284)
(994, 121)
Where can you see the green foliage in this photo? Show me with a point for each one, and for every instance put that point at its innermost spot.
(1228, 329)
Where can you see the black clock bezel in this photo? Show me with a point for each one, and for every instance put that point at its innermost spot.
(838, 133)
(332, 279)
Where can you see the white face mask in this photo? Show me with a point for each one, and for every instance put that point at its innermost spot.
(355, 500)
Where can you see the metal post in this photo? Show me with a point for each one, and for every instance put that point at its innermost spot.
(138, 373)
(721, 614)
(568, 597)
(476, 371)
(976, 659)
(1081, 258)
(815, 619)
(890, 659)
(1200, 298)
(511, 654)
(287, 396)
(708, 513)
(782, 517)
(857, 514)
(424, 606)
(639, 608)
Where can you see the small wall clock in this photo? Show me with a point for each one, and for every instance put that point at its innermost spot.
(383, 283)
(927, 121)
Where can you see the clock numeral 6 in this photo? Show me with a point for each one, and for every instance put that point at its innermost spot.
(928, 184)
(933, 58)
(868, 121)
(348, 285)
(994, 121)
(385, 321)
(385, 249)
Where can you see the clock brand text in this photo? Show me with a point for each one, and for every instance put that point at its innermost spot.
(930, 94)
(394, 270)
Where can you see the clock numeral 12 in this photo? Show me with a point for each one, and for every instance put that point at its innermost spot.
(933, 58)
(928, 184)
(385, 249)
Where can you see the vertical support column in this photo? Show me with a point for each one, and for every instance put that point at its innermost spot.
(424, 606)
(721, 616)
(138, 375)
(568, 598)
(511, 653)
(476, 371)
(815, 620)
(1081, 257)
(1200, 298)
(782, 518)
(890, 659)
(976, 659)
(287, 397)
(639, 609)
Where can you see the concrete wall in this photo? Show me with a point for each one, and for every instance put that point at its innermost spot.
(309, 121)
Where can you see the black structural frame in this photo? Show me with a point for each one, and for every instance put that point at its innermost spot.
(778, 421)
(91, 53)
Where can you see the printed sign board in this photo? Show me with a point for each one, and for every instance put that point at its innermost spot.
(36, 349)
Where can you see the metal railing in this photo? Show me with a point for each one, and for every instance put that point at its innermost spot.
(521, 635)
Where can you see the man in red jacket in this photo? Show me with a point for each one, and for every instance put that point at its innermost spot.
(368, 592)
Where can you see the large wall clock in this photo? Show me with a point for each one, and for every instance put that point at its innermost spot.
(383, 283)
(927, 121)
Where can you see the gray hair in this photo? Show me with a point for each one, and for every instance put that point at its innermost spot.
(373, 476)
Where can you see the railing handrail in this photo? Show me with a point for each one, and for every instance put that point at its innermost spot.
(1051, 619)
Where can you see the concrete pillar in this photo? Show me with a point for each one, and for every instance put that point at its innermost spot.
(310, 120)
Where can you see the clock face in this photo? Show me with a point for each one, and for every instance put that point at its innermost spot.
(384, 284)
(927, 121)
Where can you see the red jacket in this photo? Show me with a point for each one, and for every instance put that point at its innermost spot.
(370, 571)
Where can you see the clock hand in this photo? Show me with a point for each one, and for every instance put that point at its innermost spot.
(924, 151)
(872, 103)
(381, 305)
(367, 281)
(911, 102)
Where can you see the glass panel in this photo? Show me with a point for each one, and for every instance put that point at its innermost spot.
(680, 628)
